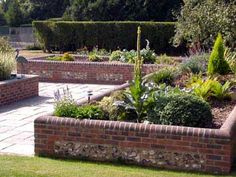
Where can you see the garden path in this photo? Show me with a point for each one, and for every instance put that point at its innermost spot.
(17, 120)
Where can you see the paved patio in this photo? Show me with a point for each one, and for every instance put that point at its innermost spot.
(16, 120)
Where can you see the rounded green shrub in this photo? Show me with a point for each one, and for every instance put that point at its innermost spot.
(217, 62)
(181, 110)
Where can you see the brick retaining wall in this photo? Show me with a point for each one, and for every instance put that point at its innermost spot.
(82, 72)
(171, 147)
(18, 89)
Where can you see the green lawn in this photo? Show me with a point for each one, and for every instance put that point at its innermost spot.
(12, 166)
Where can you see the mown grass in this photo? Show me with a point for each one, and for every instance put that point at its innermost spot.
(14, 166)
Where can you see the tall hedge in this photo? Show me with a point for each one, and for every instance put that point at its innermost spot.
(69, 36)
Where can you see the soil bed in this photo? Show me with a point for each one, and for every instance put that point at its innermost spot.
(221, 111)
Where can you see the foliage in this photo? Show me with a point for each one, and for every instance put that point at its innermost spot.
(70, 36)
(116, 55)
(217, 62)
(164, 59)
(65, 106)
(94, 58)
(210, 88)
(7, 64)
(148, 55)
(195, 63)
(64, 57)
(164, 75)
(114, 109)
(181, 110)
(230, 57)
(14, 15)
(89, 112)
(111, 10)
(199, 21)
(5, 47)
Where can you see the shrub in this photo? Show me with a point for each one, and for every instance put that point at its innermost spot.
(94, 58)
(217, 62)
(7, 64)
(5, 46)
(70, 36)
(181, 110)
(165, 75)
(196, 63)
(65, 57)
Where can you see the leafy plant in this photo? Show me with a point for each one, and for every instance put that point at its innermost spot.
(125, 56)
(7, 64)
(115, 107)
(220, 91)
(230, 57)
(89, 112)
(210, 88)
(217, 62)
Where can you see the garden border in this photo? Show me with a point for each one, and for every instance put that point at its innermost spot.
(18, 89)
(171, 147)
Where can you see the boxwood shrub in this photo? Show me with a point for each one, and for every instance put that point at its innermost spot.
(70, 36)
(180, 109)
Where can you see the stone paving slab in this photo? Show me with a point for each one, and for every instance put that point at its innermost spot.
(16, 120)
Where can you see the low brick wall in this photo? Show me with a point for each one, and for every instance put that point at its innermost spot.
(82, 72)
(17, 89)
(171, 147)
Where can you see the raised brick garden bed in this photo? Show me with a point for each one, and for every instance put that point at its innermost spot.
(82, 71)
(171, 147)
(17, 89)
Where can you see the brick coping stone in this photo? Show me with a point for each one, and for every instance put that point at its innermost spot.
(162, 146)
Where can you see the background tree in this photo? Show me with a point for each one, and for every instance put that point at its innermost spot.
(154, 10)
(14, 15)
(201, 21)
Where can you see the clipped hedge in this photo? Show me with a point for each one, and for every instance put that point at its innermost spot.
(69, 36)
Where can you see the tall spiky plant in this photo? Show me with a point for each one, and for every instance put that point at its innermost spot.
(137, 94)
